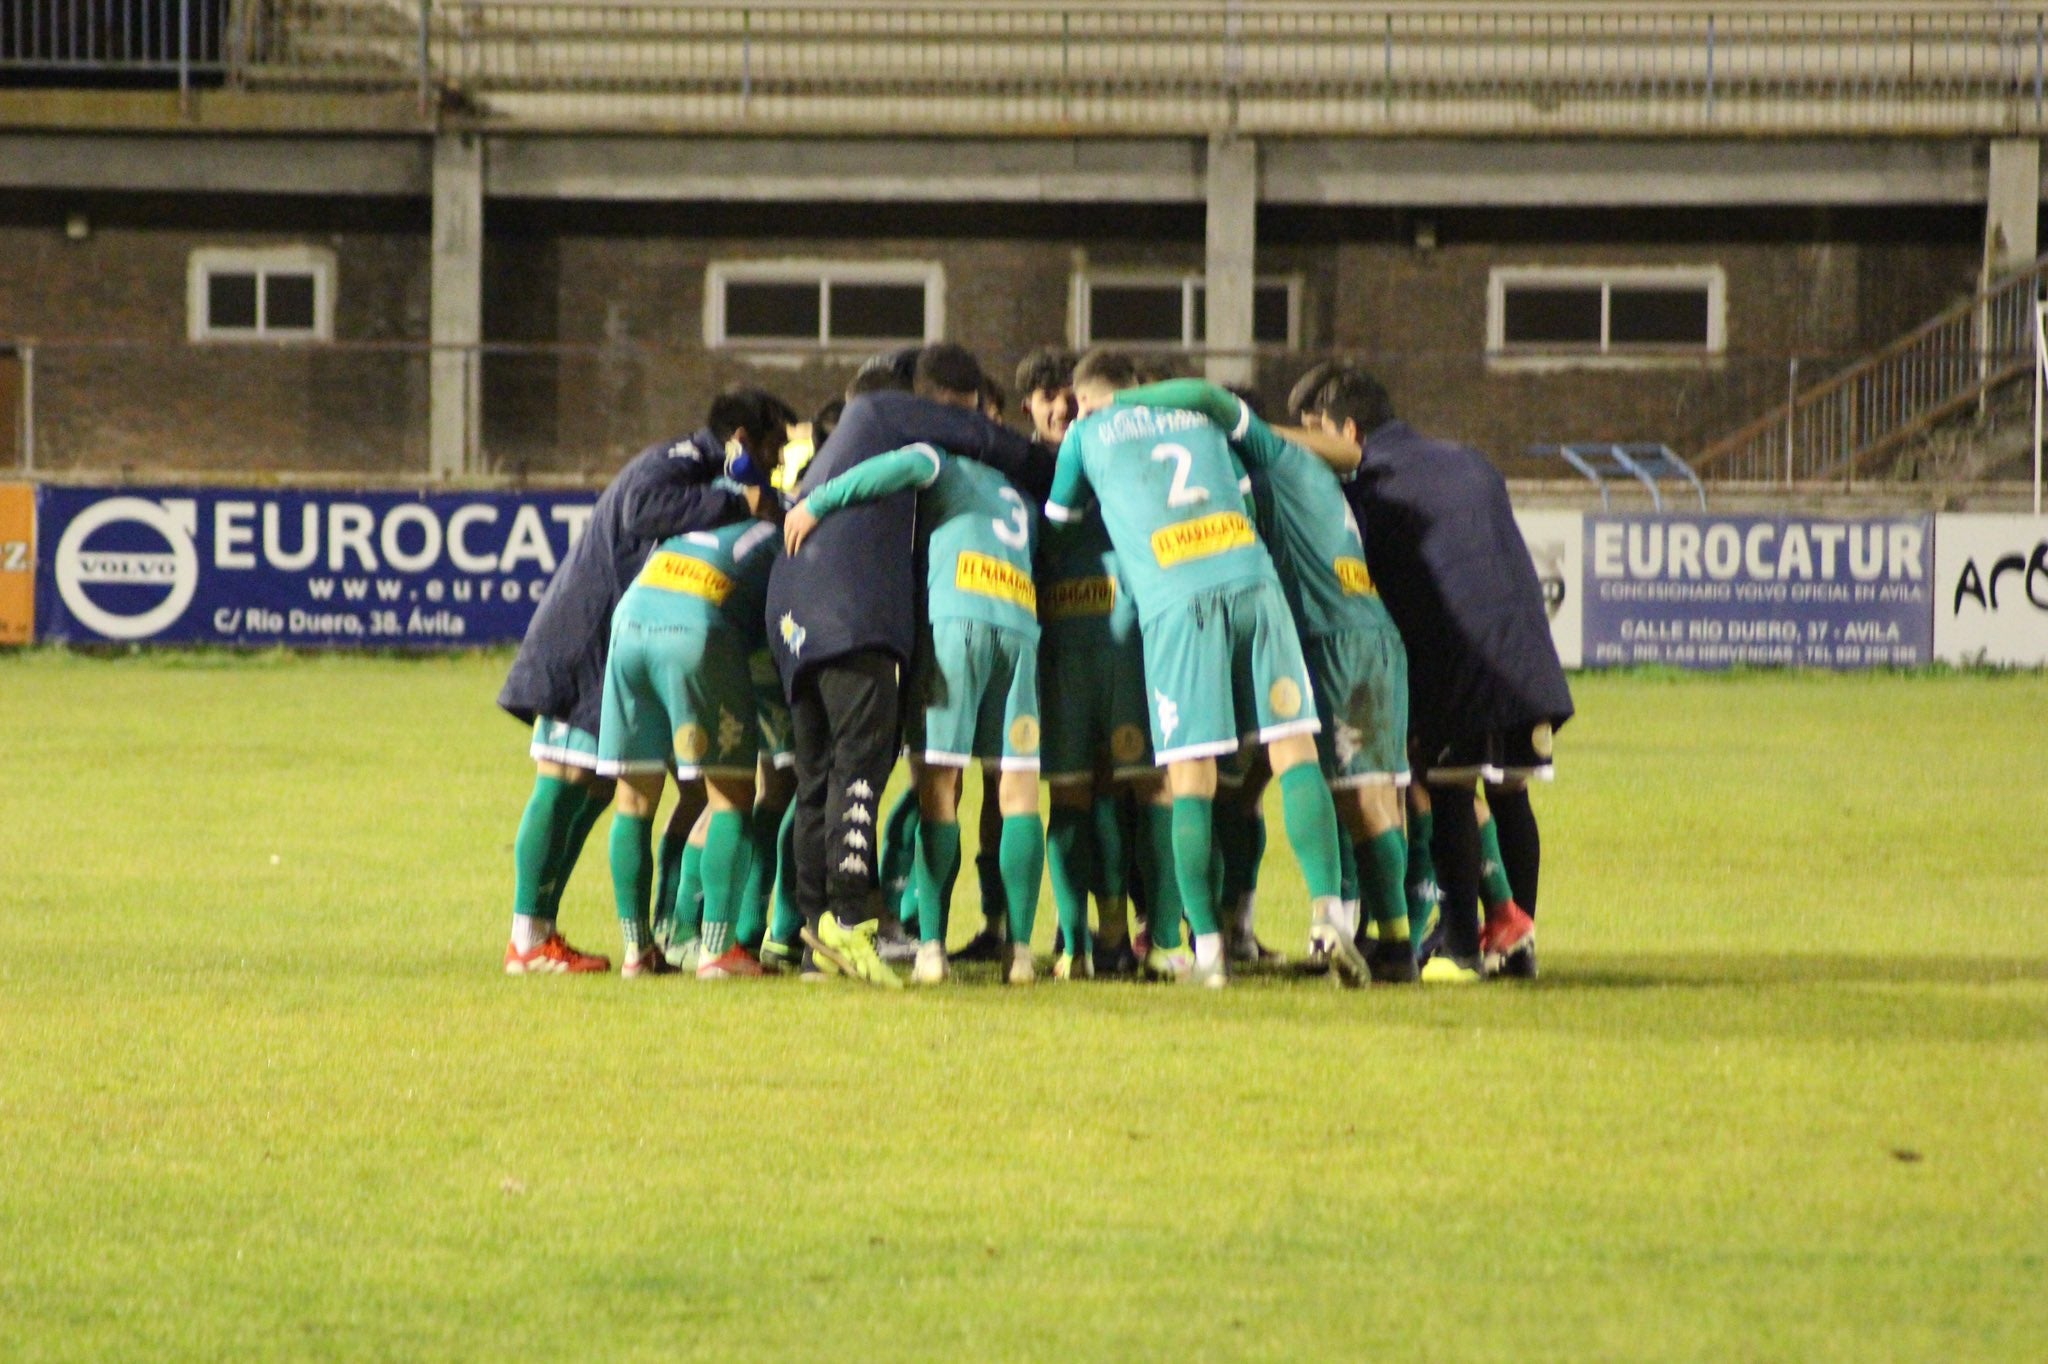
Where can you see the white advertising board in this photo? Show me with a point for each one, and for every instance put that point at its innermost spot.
(1991, 589)
(1557, 545)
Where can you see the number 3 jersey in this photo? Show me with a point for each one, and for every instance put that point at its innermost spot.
(1168, 487)
(979, 536)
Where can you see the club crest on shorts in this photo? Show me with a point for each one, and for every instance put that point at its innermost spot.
(692, 743)
(1285, 698)
(1024, 734)
(1127, 743)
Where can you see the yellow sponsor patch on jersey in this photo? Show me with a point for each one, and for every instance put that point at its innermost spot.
(1356, 578)
(669, 572)
(990, 577)
(1200, 538)
(1080, 597)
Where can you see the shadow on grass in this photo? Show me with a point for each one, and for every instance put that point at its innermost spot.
(1638, 971)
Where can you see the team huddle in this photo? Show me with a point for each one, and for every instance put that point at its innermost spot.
(1157, 605)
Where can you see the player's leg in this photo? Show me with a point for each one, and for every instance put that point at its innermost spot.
(1271, 674)
(1071, 856)
(541, 854)
(860, 696)
(774, 788)
(632, 858)
(1362, 693)
(1424, 917)
(679, 889)
(1454, 846)
(1241, 847)
(729, 803)
(899, 856)
(1011, 701)
(938, 862)
(1508, 942)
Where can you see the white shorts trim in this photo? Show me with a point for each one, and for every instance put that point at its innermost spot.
(1444, 776)
(1308, 724)
(938, 758)
(1194, 752)
(1017, 764)
(782, 762)
(1360, 779)
(1067, 778)
(566, 757)
(697, 772)
(1497, 775)
(622, 767)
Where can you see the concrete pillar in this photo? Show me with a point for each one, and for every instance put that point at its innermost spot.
(2012, 207)
(457, 304)
(1233, 191)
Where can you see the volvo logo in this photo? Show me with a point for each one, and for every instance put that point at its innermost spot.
(173, 568)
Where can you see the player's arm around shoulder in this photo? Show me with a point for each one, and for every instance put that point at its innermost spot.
(1068, 501)
(913, 466)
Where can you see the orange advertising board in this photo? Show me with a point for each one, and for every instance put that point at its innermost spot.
(17, 563)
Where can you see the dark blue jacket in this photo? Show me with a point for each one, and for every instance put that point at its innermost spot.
(1441, 539)
(664, 490)
(854, 584)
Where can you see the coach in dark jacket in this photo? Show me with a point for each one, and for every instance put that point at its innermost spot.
(843, 615)
(1486, 690)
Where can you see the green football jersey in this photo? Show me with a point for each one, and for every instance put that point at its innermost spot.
(979, 535)
(1077, 581)
(712, 579)
(1168, 487)
(1314, 539)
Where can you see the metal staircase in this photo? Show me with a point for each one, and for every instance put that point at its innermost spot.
(1844, 425)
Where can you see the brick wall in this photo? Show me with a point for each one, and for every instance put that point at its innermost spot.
(607, 302)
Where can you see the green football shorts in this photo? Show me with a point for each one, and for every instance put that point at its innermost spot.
(975, 696)
(558, 741)
(677, 698)
(1361, 679)
(778, 742)
(1222, 667)
(1092, 680)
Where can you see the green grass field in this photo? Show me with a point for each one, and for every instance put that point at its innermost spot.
(1781, 1095)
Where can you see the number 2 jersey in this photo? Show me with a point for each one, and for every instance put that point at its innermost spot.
(1168, 488)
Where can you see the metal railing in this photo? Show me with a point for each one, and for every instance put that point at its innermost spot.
(1201, 65)
(1839, 427)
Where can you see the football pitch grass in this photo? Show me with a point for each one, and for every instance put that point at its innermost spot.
(1781, 1094)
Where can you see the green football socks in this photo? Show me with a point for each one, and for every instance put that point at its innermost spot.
(1312, 829)
(688, 909)
(550, 810)
(1193, 838)
(1070, 855)
(573, 836)
(1421, 883)
(938, 863)
(752, 924)
(1021, 855)
(632, 850)
(1493, 874)
(724, 871)
(1383, 873)
(1162, 882)
(788, 921)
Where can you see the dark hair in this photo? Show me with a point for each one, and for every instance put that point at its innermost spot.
(824, 420)
(947, 367)
(891, 369)
(753, 410)
(1155, 368)
(993, 396)
(1046, 368)
(1305, 398)
(1105, 366)
(1355, 396)
(1249, 397)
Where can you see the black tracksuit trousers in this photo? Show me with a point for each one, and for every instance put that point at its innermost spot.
(844, 719)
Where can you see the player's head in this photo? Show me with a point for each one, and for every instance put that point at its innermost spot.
(1155, 367)
(1045, 379)
(1352, 404)
(891, 370)
(753, 425)
(1302, 399)
(1100, 375)
(947, 372)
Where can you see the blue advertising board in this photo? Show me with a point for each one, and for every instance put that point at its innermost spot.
(251, 566)
(1759, 591)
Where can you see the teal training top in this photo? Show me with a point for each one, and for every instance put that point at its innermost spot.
(711, 579)
(1168, 486)
(1301, 514)
(1079, 595)
(976, 531)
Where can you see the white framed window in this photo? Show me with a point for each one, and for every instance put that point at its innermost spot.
(1620, 315)
(269, 293)
(820, 305)
(1165, 309)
